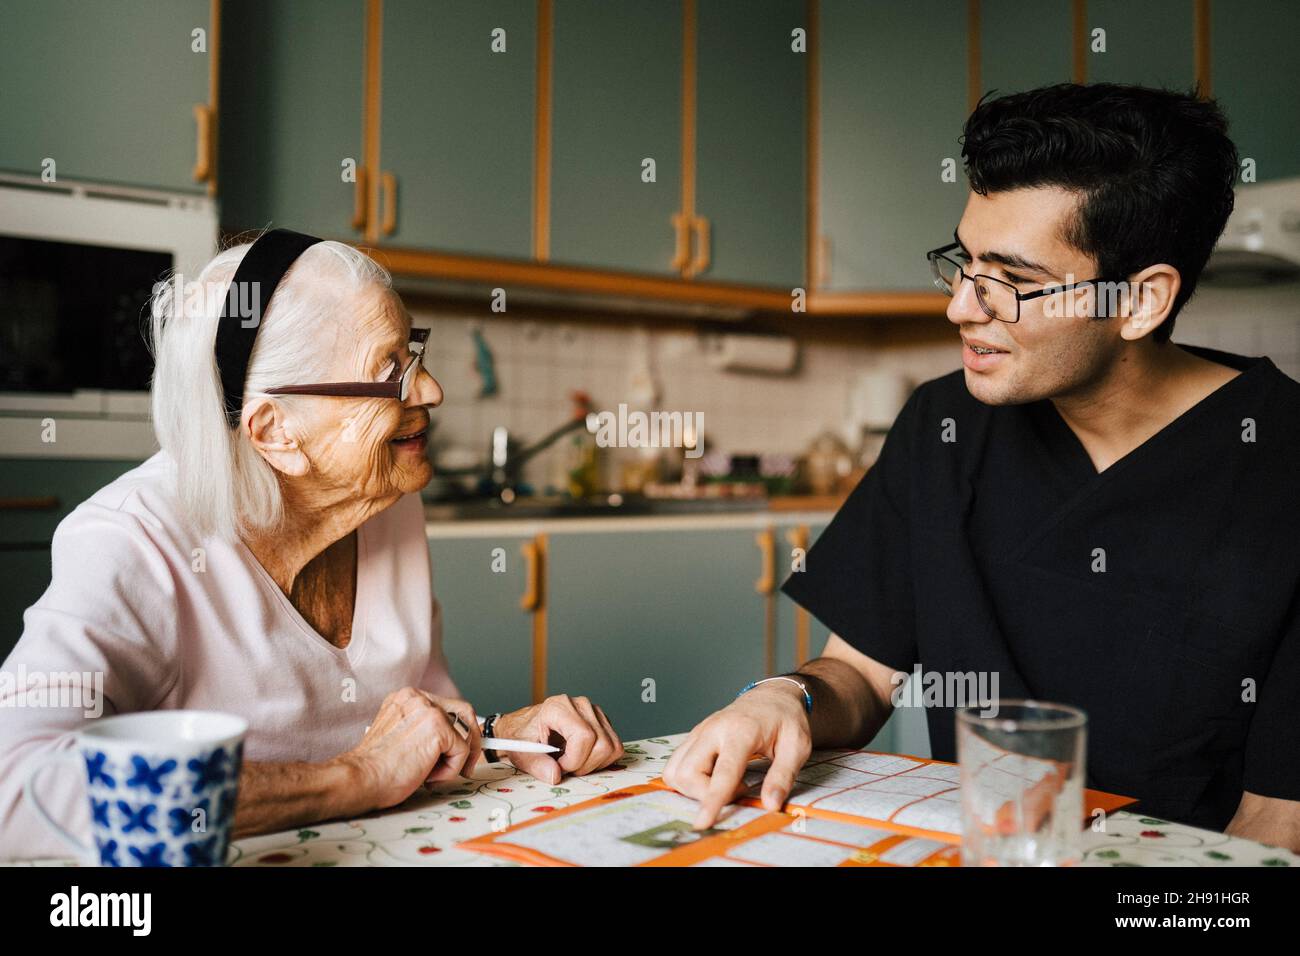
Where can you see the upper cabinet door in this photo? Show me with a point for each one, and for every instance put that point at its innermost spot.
(1254, 74)
(104, 92)
(893, 101)
(616, 103)
(456, 134)
(750, 141)
(291, 134)
(1147, 43)
(1019, 52)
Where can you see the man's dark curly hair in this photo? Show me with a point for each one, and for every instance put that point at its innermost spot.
(1154, 170)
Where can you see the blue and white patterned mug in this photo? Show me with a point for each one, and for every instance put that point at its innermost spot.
(161, 784)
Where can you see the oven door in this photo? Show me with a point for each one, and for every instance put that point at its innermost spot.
(77, 267)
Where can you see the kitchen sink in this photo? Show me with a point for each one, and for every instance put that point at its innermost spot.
(482, 509)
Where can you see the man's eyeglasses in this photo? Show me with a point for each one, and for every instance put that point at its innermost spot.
(998, 298)
(398, 385)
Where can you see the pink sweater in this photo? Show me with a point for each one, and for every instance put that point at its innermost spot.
(168, 626)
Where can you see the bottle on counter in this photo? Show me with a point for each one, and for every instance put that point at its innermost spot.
(582, 463)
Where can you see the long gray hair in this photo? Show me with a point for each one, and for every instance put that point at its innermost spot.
(225, 486)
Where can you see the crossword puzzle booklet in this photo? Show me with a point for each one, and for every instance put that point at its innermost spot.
(848, 808)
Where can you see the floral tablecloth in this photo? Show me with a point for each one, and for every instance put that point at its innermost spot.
(425, 829)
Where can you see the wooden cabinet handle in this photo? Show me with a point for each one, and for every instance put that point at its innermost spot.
(389, 222)
(798, 537)
(35, 503)
(682, 251)
(534, 602)
(202, 142)
(532, 598)
(766, 584)
(700, 263)
(824, 260)
(359, 199)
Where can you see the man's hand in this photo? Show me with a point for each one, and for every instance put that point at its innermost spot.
(590, 743)
(768, 721)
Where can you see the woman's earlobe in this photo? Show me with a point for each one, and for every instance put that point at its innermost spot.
(285, 457)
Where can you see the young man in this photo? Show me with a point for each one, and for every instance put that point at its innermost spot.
(1099, 516)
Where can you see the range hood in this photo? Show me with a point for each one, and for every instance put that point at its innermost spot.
(1261, 243)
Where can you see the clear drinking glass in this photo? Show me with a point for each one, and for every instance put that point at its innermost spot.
(1022, 774)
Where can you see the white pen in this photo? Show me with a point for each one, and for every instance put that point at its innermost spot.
(521, 746)
(505, 743)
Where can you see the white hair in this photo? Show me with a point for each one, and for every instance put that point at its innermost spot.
(224, 485)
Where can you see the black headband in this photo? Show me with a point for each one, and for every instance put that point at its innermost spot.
(247, 298)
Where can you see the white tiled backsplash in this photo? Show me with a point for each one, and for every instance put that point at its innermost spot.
(538, 363)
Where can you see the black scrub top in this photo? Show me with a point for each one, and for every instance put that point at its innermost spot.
(979, 554)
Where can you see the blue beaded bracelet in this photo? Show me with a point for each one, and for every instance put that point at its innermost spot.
(807, 697)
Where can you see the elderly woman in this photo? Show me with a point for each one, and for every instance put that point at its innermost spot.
(270, 560)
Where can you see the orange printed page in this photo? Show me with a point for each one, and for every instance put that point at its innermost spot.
(780, 839)
(848, 808)
(909, 795)
(628, 827)
(650, 825)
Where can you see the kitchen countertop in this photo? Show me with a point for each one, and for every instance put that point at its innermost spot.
(425, 829)
(544, 515)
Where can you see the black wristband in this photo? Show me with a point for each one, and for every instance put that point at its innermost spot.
(491, 756)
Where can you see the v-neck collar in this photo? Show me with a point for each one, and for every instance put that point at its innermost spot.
(356, 644)
(1069, 453)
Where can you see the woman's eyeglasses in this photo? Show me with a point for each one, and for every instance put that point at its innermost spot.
(398, 385)
(998, 298)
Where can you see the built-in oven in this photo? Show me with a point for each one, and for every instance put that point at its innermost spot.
(78, 264)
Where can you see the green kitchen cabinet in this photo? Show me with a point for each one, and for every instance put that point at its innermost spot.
(893, 101)
(907, 732)
(1019, 52)
(658, 627)
(27, 526)
(487, 637)
(104, 91)
(456, 133)
(1255, 72)
(1149, 44)
(616, 102)
(66, 481)
(26, 574)
(750, 139)
(291, 124)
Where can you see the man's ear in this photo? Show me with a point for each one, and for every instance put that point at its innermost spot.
(268, 428)
(1148, 300)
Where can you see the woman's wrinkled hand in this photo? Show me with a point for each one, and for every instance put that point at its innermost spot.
(412, 741)
(589, 740)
